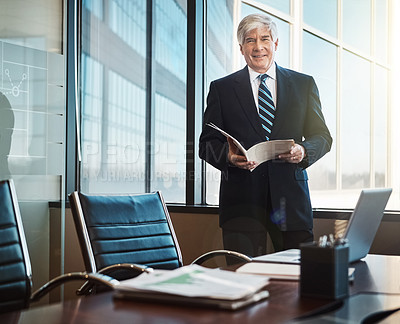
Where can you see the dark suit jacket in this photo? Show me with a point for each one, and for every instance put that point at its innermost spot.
(230, 106)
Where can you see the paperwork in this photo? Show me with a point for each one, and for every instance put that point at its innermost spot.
(272, 270)
(196, 285)
(283, 271)
(260, 152)
(286, 256)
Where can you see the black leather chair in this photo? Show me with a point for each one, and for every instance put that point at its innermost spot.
(115, 230)
(15, 266)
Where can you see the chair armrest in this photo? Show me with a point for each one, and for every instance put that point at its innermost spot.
(135, 268)
(88, 286)
(88, 277)
(211, 254)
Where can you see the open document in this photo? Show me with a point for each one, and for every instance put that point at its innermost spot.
(260, 152)
(196, 285)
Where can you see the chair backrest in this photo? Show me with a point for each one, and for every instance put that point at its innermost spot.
(15, 267)
(125, 229)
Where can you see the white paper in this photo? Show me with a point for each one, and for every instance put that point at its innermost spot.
(272, 270)
(196, 281)
(260, 152)
(286, 256)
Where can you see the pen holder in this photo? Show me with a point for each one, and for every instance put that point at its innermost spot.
(324, 271)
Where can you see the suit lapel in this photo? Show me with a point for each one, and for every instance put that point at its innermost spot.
(245, 96)
(284, 85)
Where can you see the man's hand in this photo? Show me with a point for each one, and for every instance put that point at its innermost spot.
(296, 155)
(236, 157)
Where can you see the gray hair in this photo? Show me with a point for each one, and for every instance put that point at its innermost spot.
(254, 21)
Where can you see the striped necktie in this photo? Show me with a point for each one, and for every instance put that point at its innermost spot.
(266, 106)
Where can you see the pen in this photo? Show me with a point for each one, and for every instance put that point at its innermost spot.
(322, 241)
(331, 239)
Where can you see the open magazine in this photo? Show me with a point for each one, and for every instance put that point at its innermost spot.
(196, 285)
(260, 152)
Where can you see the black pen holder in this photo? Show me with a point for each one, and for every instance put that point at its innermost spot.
(324, 271)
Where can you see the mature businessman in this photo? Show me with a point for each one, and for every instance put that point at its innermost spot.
(273, 197)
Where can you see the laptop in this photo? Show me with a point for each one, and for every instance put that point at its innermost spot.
(360, 232)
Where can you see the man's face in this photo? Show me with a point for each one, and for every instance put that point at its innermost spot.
(259, 49)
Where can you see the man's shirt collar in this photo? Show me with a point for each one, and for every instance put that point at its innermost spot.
(271, 73)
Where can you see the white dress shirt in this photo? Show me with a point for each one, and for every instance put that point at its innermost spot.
(271, 82)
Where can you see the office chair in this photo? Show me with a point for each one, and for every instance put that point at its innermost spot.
(115, 231)
(15, 266)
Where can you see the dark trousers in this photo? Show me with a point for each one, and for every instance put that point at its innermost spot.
(248, 235)
(253, 241)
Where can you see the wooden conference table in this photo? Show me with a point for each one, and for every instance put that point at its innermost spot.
(376, 273)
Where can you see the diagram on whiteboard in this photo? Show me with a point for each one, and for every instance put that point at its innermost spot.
(15, 88)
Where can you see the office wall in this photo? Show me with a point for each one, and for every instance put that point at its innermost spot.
(199, 233)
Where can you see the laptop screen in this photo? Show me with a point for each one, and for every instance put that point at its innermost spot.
(365, 220)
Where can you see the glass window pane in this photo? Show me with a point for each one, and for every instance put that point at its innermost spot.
(222, 44)
(95, 7)
(355, 122)
(169, 154)
(221, 50)
(357, 24)
(381, 30)
(380, 126)
(282, 56)
(113, 98)
(323, 68)
(127, 19)
(282, 5)
(321, 15)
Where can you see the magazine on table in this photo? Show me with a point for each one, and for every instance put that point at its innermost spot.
(196, 285)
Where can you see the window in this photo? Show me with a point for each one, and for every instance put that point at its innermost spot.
(326, 20)
(316, 52)
(133, 97)
(135, 117)
(355, 106)
(169, 117)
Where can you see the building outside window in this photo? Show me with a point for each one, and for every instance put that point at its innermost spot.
(130, 117)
